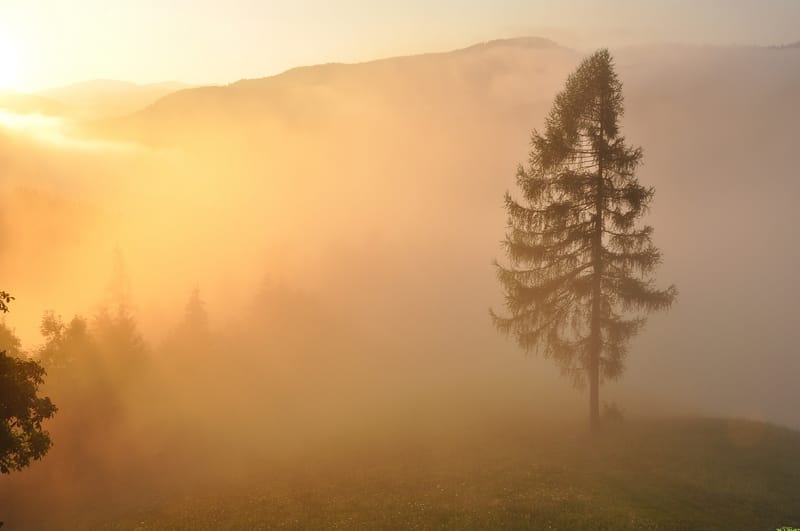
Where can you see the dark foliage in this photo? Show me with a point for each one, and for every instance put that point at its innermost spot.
(5, 300)
(22, 438)
(579, 264)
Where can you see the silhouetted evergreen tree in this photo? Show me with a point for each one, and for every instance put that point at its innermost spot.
(119, 287)
(579, 264)
(120, 343)
(195, 321)
(191, 343)
(116, 331)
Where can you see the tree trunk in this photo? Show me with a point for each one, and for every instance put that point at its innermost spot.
(596, 340)
(594, 403)
(594, 361)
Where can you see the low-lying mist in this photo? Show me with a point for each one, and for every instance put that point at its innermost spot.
(280, 268)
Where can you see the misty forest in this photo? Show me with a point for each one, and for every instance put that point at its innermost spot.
(516, 285)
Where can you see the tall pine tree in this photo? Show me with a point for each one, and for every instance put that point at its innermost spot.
(579, 266)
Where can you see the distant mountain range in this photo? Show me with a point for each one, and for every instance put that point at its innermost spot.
(308, 95)
(109, 98)
(90, 99)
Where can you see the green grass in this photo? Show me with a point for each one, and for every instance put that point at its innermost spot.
(658, 474)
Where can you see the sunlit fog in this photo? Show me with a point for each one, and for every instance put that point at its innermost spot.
(266, 299)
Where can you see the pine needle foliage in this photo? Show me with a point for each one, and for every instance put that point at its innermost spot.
(578, 275)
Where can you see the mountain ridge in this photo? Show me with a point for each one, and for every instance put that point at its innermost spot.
(319, 74)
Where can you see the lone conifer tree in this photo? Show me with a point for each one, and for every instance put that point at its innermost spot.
(579, 265)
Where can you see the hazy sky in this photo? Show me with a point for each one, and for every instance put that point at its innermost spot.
(45, 43)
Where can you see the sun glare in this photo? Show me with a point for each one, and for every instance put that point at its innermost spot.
(9, 63)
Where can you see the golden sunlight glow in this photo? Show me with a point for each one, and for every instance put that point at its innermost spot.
(9, 62)
(27, 122)
(368, 264)
(55, 131)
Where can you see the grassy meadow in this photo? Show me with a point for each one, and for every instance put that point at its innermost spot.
(664, 474)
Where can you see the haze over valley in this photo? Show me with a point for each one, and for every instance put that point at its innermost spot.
(281, 276)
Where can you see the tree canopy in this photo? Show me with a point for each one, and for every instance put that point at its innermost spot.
(22, 411)
(579, 265)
